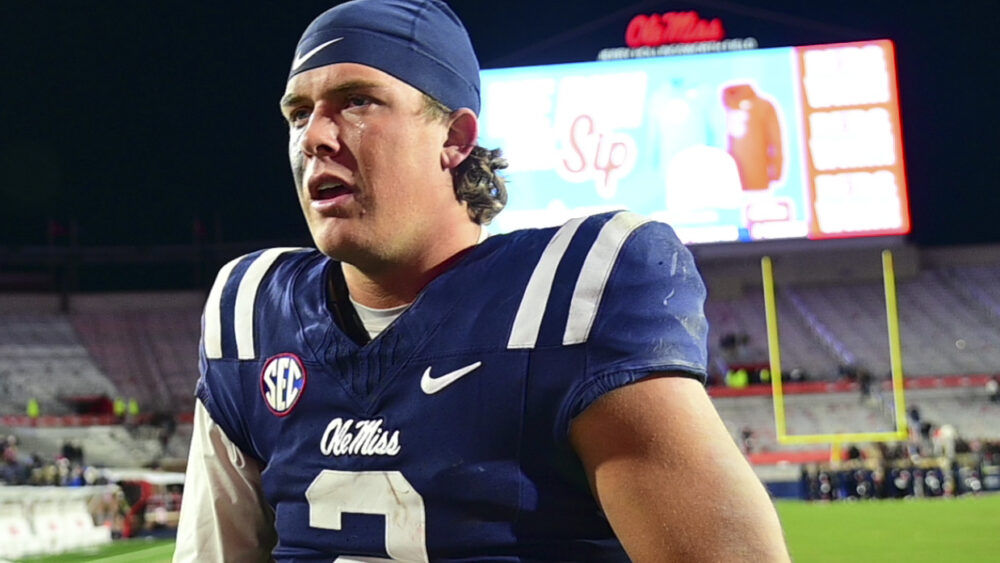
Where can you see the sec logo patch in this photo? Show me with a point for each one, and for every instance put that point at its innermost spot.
(282, 382)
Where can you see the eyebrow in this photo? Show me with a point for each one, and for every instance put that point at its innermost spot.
(291, 98)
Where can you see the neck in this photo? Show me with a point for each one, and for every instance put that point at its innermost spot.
(392, 284)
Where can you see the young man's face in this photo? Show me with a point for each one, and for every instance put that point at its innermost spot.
(367, 162)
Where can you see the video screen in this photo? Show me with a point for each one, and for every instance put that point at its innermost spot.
(784, 143)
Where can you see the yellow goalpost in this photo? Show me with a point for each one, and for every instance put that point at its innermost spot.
(895, 359)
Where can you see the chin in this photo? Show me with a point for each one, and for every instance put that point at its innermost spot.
(335, 247)
(326, 242)
(328, 236)
(334, 251)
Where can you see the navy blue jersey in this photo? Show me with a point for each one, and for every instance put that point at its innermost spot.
(446, 437)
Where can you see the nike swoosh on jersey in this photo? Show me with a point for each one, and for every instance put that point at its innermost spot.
(431, 385)
(299, 61)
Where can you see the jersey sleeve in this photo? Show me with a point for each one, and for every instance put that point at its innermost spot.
(231, 334)
(637, 310)
(223, 514)
(219, 387)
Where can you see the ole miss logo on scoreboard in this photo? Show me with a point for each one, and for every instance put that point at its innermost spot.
(672, 27)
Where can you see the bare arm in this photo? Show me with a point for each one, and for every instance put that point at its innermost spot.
(223, 513)
(670, 479)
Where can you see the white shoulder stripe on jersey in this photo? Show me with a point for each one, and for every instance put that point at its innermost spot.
(246, 295)
(595, 272)
(213, 312)
(528, 319)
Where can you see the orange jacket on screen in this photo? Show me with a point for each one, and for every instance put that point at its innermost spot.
(754, 136)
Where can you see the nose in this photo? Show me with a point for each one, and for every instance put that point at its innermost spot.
(320, 137)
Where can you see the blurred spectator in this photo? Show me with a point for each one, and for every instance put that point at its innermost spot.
(848, 372)
(133, 408)
(944, 439)
(798, 375)
(33, 410)
(746, 440)
(865, 384)
(827, 488)
(913, 419)
(166, 427)
(737, 379)
(110, 510)
(10, 449)
(73, 452)
(132, 415)
(925, 434)
(765, 375)
(993, 389)
(735, 347)
(118, 408)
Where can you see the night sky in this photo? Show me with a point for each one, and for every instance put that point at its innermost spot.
(135, 119)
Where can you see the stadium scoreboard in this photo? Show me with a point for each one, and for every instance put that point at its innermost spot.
(738, 146)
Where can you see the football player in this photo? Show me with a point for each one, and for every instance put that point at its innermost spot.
(412, 390)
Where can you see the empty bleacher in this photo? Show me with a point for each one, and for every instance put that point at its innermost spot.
(943, 331)
(146, 343)
(41, 357)
(103, 445)
(967, 409)
(808, 414)
(949, 320)
(801, 345)
(978, 283)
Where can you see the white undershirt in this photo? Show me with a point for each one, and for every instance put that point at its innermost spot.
(375, 320)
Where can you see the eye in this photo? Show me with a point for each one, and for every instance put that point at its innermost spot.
(356, 101)
(298, 116)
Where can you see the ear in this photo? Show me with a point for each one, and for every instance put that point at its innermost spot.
(463, 130)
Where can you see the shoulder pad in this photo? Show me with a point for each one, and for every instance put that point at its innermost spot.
(597, 242)
(228, 319)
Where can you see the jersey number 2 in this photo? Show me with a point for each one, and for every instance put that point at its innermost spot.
(332, 493)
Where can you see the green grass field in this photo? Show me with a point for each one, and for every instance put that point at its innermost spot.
(131, 551)
(963, 530)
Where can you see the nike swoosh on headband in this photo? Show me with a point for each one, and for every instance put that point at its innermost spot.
(299, 61)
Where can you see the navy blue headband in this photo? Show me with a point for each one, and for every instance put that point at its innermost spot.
(421, 42)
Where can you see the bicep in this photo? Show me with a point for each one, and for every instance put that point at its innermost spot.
(224, 516)
(670, 479)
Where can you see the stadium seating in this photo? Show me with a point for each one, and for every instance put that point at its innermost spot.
(967, 409)
(824, 413)
(145, 345)
(948, 326)
(978, 283)
(106, 446)
(41, 357)
(801, 348)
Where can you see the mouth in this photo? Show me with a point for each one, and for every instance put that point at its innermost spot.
(328, 190)
(329, 195)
